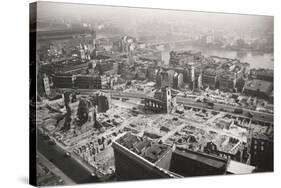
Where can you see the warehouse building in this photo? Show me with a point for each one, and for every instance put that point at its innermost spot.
(258, 88)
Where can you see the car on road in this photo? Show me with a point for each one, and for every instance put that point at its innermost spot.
(67, 154)
(124, 99)
(210, 105)
(238, 111)
(249, 115)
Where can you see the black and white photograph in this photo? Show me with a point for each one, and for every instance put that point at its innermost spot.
(126, 93)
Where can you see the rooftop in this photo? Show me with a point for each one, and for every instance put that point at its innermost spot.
(202, 158)
(155, 152)
(144, 147)
(170, 159)
(227, 75)
(258, 85)
(264, 72)
(235, 167)
(210, 71)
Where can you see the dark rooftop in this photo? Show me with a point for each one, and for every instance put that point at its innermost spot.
(155, 152)
(202, 158)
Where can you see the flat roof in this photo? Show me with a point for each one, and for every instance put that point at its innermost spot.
(235, 167)
(261, 85)
(202, 158)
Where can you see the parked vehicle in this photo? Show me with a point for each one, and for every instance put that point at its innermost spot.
(238, 111)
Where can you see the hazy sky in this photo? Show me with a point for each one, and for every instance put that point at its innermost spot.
(127, 16)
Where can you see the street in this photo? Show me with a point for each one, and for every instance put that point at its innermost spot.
(69, 166)
(260, 116)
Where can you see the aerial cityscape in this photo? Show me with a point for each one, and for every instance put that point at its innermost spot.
(132, 94)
